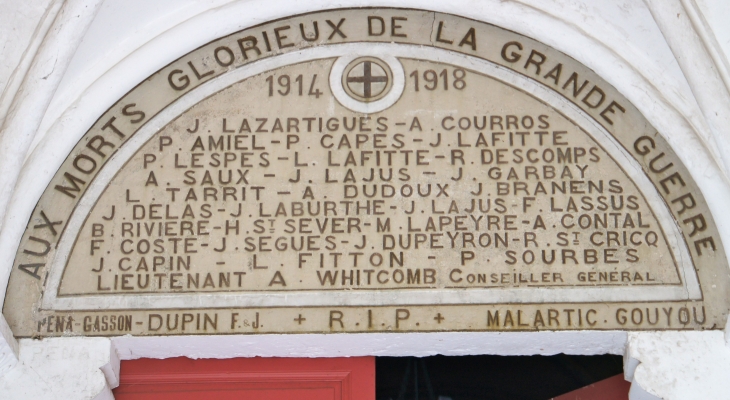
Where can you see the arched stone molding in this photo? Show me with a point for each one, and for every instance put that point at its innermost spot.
(669, 103)
(671, 113)
(24, 104)
(696, 50)
(44, 74)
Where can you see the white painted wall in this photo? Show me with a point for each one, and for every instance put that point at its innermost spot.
(63, 368)
(21, 30)
(668, 57)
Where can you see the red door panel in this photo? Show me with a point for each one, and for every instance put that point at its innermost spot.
(613, 388)
(248, 378)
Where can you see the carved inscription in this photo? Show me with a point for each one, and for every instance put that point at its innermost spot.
(504, 192)
(369, 186)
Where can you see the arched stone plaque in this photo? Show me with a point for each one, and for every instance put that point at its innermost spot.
(369, 170)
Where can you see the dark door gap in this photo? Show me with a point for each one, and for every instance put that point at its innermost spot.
(489, 377)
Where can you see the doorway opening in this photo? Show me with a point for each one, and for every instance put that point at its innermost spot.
(489, 377)
(379, 378)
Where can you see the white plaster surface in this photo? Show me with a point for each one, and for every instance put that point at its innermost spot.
(695, 52)
(378, 344)
(711, 16)
(8, 347)
(62, 368)
(20, 34)
(130, 39)
(40, 83)
(678, 365)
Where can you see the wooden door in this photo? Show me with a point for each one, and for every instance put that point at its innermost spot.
(248, 378)
(613, 388)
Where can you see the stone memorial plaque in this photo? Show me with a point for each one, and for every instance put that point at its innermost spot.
(369, 170)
